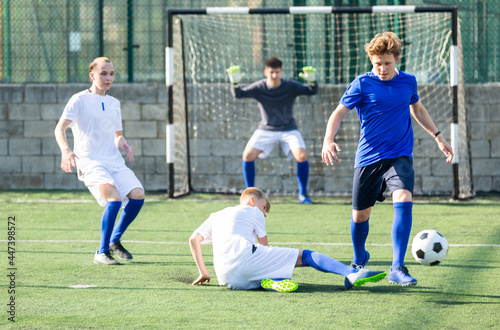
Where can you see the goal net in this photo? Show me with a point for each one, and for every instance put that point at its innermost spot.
(208, 129)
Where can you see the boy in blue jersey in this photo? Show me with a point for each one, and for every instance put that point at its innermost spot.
(384, 99)
(275, 97)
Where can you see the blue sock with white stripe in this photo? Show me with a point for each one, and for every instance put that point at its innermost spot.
(249, 173)
(359, 234)
(128, 215)
(303, 176)
(108, 219)
(401, 228)
(324, 263)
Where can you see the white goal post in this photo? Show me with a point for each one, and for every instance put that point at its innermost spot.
(446, 59)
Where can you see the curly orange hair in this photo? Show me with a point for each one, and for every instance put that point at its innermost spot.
(383, 43)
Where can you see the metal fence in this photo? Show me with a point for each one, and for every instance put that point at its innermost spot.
(53, 41)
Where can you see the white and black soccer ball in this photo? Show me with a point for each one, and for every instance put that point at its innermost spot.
(429, 247)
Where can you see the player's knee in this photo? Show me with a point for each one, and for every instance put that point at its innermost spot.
(137, 193)
(109, 192)
(360, 216)
(300, 155)
(302, 159)
(401, 195)
(250, 155)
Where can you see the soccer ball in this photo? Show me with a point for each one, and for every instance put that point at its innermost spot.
(429, 247)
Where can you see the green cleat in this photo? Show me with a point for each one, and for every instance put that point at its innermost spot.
(281, 286)
(364, 276)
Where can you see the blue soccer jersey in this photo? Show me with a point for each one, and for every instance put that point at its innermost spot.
(384, 113)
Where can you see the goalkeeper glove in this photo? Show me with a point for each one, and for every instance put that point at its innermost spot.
(235, 75)
(309, 75)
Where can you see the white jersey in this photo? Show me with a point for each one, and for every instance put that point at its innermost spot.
(232, 231)
(95, 121)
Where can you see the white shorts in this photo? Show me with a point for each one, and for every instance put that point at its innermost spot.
(265, 140)
(272, 262)
(95, 175)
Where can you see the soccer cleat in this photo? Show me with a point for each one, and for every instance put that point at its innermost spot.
(303, 199)
(363, 264)
(281, 286)
(347, 283)
(105, 259)
(363, 276)
(401, 276)
(120, 251)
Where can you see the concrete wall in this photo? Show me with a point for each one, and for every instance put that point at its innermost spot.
(483, 103)
(30, 158)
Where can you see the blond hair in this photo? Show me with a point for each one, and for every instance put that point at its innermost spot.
(257, 194)
(96, 61)
(383, 43)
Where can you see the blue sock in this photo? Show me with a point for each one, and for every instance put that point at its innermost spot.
(359, 233)
(249, 173)
(401, 228)
(107, 223)
(324, 263)
(128, 215)
(302, 176)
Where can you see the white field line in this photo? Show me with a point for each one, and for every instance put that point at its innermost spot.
(274, 243)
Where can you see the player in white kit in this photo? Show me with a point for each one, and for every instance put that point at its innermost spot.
(243, 259)
(95, 120)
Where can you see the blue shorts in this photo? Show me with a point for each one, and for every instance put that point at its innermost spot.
(370, 182)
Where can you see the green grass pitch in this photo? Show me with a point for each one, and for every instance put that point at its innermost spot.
(57, 233)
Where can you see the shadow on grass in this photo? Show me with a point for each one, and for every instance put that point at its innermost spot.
(456, 303)
(98, 288)
(163, 263)
(166, 255)
(454, 299)
(422, 290)
(97, 229)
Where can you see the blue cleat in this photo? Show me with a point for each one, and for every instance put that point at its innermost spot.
(303, 199)
(348, 284)
(401, 276)
(363, 276)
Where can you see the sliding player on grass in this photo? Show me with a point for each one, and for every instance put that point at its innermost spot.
(96, 123)
(243, 259)
(275, 97)
(385, 99)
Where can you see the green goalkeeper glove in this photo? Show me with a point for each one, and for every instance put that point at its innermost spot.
(235, 75)
(309, 75)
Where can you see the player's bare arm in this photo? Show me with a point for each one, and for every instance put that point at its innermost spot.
(121, 143)
(67, 155)
(195, 245)
(421, 115)
(263, 240)
(330, 147)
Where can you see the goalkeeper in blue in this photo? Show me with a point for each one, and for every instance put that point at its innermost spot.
(275, 97)
(243, 259)
(385, 99)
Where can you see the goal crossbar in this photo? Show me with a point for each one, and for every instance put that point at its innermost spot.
(301, 10)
